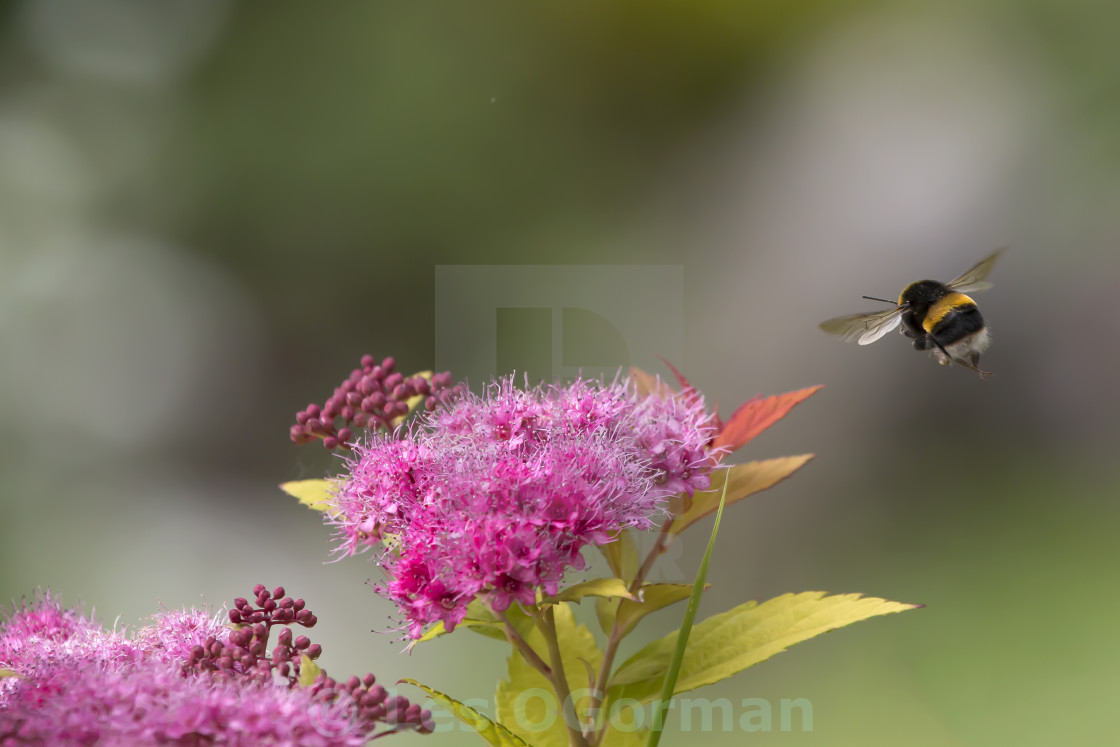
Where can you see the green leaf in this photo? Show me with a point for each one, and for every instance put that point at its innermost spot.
(492, 732)
(730, 642)
(741, 481)
(605, 611)
(607, 588)
(622, 556)
(482, 620)
(308, 671)
(667, 688)
(318, 495)
(520, 705)
(5, 673)
(653, 597)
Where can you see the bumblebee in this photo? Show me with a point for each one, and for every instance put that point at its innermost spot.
(937, 316)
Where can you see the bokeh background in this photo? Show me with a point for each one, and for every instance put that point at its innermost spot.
(210, 210)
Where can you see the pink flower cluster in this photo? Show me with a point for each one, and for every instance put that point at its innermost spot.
(66, 681)
(496, 495)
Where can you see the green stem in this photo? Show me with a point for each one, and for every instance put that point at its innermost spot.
(599, 691)
(669, 685)
(547, 623)
(523, 646)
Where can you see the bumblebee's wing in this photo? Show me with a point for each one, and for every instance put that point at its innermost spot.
(866, 328)
(976, 278)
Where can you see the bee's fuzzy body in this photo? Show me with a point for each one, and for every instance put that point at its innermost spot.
(940, 319)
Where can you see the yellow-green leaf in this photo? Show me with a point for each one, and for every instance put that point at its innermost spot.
(730, 642)
(488, 628)
(653, 597)
(491, 731)
(480, 619)
(608, 588)
(318, 495)
(5, 673)
(308, 671)
(478, 616)
(605, 610)
(742, 480)
(622, 556)
(519, 699)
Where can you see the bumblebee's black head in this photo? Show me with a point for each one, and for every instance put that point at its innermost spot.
(922, 293)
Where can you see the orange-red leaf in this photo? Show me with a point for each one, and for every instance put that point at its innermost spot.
(646, 383)
(687, 389)
(756, 415)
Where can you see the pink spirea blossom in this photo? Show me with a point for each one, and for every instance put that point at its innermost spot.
(497, 494)
(66, 681)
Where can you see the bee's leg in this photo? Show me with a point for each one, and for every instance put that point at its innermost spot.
(943, 356)
(974, 359)
(972, 363)
(921, 343)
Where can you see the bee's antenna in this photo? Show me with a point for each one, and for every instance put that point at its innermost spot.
(884, 300)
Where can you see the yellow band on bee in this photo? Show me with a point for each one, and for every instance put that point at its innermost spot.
(942, 307)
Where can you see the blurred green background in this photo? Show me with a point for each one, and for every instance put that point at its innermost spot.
(210, 210)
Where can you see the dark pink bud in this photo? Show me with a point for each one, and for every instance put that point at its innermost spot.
(354, 399)
(389, 363)
(313, 411)
(347, 386)
(344, 435)
(301, 642)
(330, 442)
(347, 413)
(360, 419)
(392, 380)
(369, 679)
(400, 391)
(314, 425)
(367, 360)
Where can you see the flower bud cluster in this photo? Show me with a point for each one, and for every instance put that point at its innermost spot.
(245, 652)
(374, 397)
